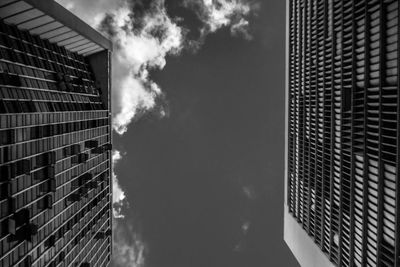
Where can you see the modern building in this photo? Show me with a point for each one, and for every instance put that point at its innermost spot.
(342, 199)
(55, 138)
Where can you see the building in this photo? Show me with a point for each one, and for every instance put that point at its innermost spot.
(55, 138)
(343, 132)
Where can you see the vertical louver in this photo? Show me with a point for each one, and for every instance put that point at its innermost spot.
(344, 124)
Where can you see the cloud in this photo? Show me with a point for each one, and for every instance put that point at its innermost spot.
(119, 197)
(69, 5)
(129, 249)
(249, 191)
(241, 245)
(216, 14)
(144, 34)
(128, 245)
(141, 45)
(241, 28)
(245, 227)
(90, 11)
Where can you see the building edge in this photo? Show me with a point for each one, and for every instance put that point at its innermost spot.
(63, 15)
(306, 252)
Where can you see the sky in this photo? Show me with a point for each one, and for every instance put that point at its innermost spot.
(198, 119)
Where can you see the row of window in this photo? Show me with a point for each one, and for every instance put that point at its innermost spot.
(7, 137)
(15, 169)
(92, 249)
(48, 61)
(8, 55)
(41, 49)
(45, 59)
(73, 228)
(79, 86)
(12, 67)
(19, 218)
(45, 219)
(16, 106)
(10, 186)
(11, 136)
(65, 161)
(49, 237)
(11, 31)
(37, 74)
(28, 119)
(39, 198)
(97, 254)
(38, 146)
(85, 232)
(86, 192)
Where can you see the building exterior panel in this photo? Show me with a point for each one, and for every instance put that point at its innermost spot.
(342, 147)
(55, 139)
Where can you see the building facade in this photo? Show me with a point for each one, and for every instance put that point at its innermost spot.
(55, 138)
(342, 198)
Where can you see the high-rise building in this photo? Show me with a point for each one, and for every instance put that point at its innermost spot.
(342, 198)
(55, 138)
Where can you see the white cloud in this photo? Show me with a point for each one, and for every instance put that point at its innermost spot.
(137, 52)
(241, 28)
(129, 249)
(216, 14)
(220, 13)
(118, 195)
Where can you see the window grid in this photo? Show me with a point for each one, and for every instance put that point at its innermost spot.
(343, 131)
(49, 105)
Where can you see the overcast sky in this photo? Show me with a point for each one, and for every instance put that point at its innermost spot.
(199, 130)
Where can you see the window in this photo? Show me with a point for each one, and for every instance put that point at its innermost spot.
(7, 137)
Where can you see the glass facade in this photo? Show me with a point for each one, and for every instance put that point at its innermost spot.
(55, 155)
(343, 128)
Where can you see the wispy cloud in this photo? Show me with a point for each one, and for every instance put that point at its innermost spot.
(129, 248)
(249, 191)
(216, 14)
(118, 196)
(245, 227)
(241, 28)
(241, 245)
